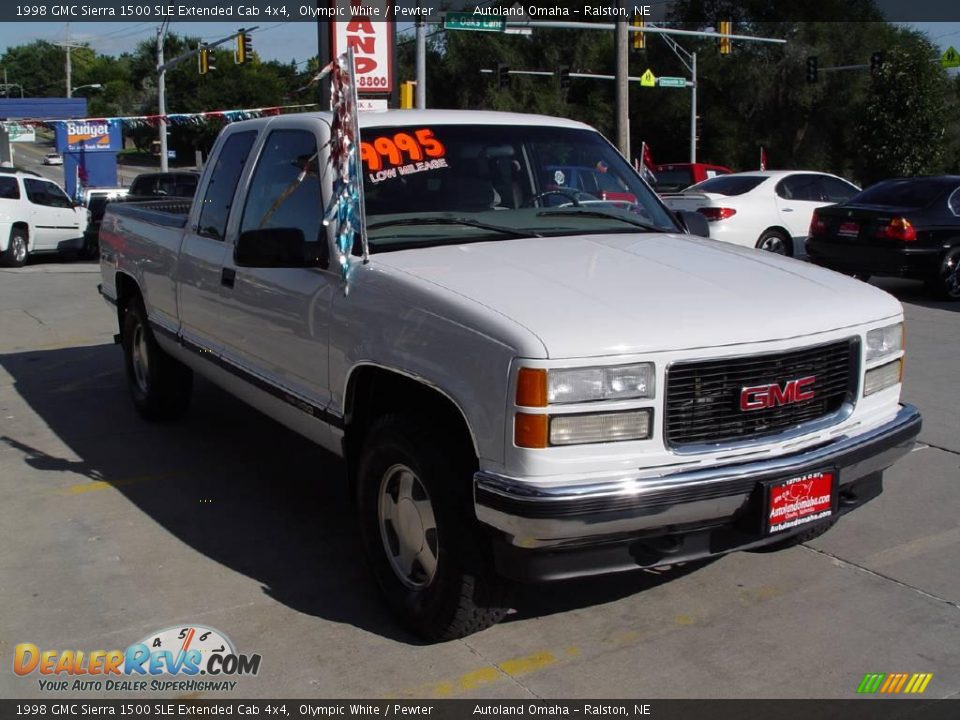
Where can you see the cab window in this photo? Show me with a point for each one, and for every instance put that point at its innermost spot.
(223, 184)
(285, 189)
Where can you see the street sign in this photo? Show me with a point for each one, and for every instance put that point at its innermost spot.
(467, 21)
(950, 59)
(648, 79)
(663, 81)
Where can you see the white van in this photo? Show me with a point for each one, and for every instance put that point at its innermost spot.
(36, 215)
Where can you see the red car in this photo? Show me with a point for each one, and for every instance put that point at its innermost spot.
(674, 177)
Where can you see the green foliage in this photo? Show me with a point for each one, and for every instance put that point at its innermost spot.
(901, 131)
(850, 123)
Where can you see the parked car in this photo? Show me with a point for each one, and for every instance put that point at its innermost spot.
(520, 390)
(179, 183)
(36, 215)
(674, 177)
(769, 210)
(109, 192)
(53, 159)
(908, 227)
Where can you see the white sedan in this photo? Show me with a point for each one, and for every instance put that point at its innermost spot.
(770, 210)
(53, 159)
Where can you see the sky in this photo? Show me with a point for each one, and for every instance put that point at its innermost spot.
(289, 41)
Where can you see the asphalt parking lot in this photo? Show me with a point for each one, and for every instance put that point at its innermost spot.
(114, 529)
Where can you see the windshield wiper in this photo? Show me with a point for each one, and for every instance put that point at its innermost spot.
(454, 221)
(584, 212)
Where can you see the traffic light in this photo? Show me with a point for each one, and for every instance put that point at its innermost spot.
(406, 95)
(726, 44)
(639, 39)
(244, 50)
(563, 76)
(206, 60)
(812, 69)
(503, 76)
(876, 62)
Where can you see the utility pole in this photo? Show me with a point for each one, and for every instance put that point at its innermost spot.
(689, 60)
(622, 45)
(162, 95)
(421, 87)
(68, 46)
(69, 67)
(164, 65)
(693, 107)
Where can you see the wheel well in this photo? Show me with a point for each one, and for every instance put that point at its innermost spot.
(127, 290)
(20, 225)
(780, 231)
(373, 391)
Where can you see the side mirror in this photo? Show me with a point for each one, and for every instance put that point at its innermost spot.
(279, 247)
(694, 223)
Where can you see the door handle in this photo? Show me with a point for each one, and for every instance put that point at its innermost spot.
(788, 209)
(227, 277)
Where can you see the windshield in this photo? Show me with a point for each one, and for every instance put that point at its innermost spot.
(728, 184)
(465, 183)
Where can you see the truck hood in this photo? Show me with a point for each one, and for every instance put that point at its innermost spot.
(626, 293)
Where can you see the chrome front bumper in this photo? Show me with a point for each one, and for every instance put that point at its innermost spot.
(537, 516)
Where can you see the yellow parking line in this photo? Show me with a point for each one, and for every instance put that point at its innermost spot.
(514, 667)
(92, 485)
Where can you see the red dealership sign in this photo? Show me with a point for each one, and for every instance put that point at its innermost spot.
(364, 29)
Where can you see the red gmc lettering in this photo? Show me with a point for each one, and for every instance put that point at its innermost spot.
(767, 396)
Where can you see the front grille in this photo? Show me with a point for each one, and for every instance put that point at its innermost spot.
(703, 398)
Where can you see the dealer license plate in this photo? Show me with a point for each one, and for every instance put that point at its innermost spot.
(849, 229)
(800, 500)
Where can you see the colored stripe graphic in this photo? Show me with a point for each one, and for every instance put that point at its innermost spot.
(894, 683)
(871, 682)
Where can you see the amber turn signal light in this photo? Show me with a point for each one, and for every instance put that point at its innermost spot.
(531, 431)
(532, 387)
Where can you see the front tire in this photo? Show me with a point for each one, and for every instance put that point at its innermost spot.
(946, 285)
(17, 249)
(774, 241)
(419, 532)
(159, 385)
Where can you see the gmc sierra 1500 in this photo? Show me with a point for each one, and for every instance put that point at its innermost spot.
(527, 381)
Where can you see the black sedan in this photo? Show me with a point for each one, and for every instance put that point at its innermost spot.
(908, 227)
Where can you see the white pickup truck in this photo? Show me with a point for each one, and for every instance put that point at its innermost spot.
(528, 382)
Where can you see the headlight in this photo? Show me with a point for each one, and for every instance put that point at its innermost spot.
(882, 377)
(537, 388)
(884, 341)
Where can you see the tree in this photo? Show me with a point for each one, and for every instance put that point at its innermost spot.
(902, 128)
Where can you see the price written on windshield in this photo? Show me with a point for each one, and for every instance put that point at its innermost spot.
(400, 148)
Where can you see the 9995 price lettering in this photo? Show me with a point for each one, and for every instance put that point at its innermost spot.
(400, 148)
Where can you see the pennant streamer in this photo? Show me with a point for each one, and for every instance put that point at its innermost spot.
(178, 119)
(345, 208)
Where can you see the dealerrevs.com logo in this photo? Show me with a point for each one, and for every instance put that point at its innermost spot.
(171, 660)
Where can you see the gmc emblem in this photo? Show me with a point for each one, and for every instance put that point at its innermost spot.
(768, 396)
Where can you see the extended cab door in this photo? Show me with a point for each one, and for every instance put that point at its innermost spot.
(276, 319)
(53, 218)
(205, 245)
